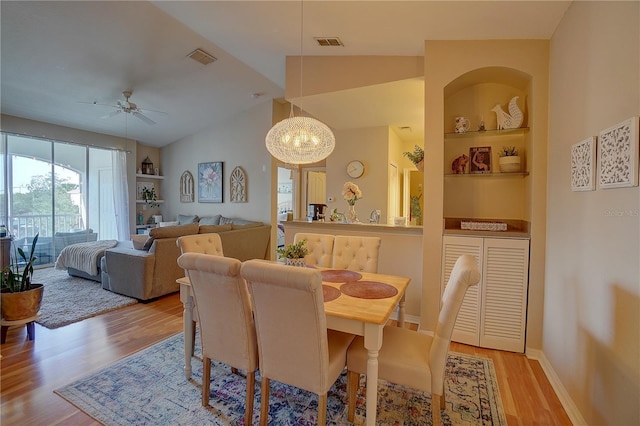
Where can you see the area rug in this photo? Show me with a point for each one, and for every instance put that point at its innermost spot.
(149, 388)
(68, 299)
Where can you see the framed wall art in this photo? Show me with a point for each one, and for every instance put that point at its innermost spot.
(238, 182)
(583, 168)
(480, 159)
(618, 155)
(186, 187)
(210, 180)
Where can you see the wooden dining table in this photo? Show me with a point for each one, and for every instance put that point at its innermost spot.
(363, 314)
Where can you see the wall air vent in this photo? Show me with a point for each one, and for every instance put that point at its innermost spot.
(201, 56)
(328, 41)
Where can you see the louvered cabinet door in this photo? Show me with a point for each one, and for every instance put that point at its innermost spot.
(467, 328)
(505, 277)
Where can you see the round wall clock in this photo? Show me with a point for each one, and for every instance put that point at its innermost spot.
(355, 169)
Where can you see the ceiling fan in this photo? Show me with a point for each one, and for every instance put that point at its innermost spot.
(129, 107)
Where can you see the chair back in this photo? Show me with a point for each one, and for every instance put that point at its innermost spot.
(464, 274)
(290, 323)
(356, 253)
(201, 243)
(227, 329)
(320, 248)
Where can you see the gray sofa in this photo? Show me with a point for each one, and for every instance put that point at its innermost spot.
(152, 271)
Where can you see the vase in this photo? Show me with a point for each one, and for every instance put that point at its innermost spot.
(352, 216)
(295, 262)
(23, 304)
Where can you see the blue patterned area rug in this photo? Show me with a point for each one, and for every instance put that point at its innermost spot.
(149, 388)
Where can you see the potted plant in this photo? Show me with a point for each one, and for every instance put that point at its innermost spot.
(509, 160)
(416, 157)
(294, 253)
(20, 298)
(149, 196)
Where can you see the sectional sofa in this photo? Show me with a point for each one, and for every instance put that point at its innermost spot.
(148, 268)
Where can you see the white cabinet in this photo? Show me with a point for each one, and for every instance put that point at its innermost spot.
(493, 313)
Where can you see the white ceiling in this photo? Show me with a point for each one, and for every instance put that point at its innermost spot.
(59, 58)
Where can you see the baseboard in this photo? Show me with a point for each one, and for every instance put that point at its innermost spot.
(567, 403)
(407, 318)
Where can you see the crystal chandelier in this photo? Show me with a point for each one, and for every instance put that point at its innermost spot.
(300, 140)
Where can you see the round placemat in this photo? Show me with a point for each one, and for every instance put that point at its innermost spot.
(368, 290)
(340, 276)
(330, 293)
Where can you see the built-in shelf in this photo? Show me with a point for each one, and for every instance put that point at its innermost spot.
(143, 201)
(494, 132)
(503, 174)
(143, 176)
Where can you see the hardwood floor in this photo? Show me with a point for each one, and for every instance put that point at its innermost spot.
(31, 370)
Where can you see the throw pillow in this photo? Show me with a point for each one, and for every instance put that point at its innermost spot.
(225, 220)
(210, 220)
(139, 241)
(186, 219)
(209, 229)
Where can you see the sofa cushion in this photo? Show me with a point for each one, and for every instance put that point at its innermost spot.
(210, 229)
(139, 241)
(246, 225)
(170, 232)
(172, 223)
(210, 220)
(186, 219)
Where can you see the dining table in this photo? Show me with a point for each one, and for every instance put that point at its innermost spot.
(359, 303)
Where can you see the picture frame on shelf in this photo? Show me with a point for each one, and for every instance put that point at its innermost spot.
(480, 159)
(210, 182)
(618, 155)
(583, 168)
(140, 187)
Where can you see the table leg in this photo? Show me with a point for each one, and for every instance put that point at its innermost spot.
(188, 332)
(3, 334)
(401, 311)
(373, 343)
(31, 330)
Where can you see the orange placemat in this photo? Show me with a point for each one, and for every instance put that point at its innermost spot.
(368, 290)
(340, 276)
(330, 293)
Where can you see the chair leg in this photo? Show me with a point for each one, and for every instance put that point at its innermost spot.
(193, 338)
(443, 403)
(206, 380)
(251, 383)
(264, 403)
(322, 409)
(353, 381)
(435, 410)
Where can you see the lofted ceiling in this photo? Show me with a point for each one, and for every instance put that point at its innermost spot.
(68, 62)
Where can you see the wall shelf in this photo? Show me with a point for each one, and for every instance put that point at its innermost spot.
(477, 133)
(497, 174)
(143, 201)
(143, 176)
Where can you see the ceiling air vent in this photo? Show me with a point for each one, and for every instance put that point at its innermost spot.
(328, 41)
(201, 56)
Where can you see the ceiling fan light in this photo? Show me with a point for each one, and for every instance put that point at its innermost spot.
(313, 141)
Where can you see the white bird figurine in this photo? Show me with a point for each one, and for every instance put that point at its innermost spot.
(513, 120)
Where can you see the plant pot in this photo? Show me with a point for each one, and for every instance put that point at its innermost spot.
(509, 164)
(23, 304)
(295, 262)
(420, 165)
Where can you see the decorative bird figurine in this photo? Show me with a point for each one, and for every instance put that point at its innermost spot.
(513, 120)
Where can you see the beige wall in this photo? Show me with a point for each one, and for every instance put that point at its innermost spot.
(237, 142)
(592, 284)
(446, 61)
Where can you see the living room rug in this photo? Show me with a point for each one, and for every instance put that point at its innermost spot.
(149, 388)
(68, 299)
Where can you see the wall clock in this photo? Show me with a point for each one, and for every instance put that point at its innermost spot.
(355, 169)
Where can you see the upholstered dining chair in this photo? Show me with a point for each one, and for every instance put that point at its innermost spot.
(227, 329)
(320, 248)
(294, 344)
(415, 359)
(356, 253)
(201, 243)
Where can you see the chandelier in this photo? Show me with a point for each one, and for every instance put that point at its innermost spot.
(300, 140)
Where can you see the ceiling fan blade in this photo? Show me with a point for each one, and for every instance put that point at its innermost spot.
(143, 118)
(112, 114)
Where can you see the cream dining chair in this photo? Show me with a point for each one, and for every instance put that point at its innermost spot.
(227, 329)
(294, 344)
(356, 253)
(415, 359)
(320, 248)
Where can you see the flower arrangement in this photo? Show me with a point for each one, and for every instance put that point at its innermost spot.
(351, 193)
(294, 251)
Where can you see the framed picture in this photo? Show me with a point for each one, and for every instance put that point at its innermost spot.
(618, 155)
(583, 168)
(210, 182)
(480, 159)
(141, 186)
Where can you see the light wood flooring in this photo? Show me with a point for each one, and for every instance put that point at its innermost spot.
(31, 370)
